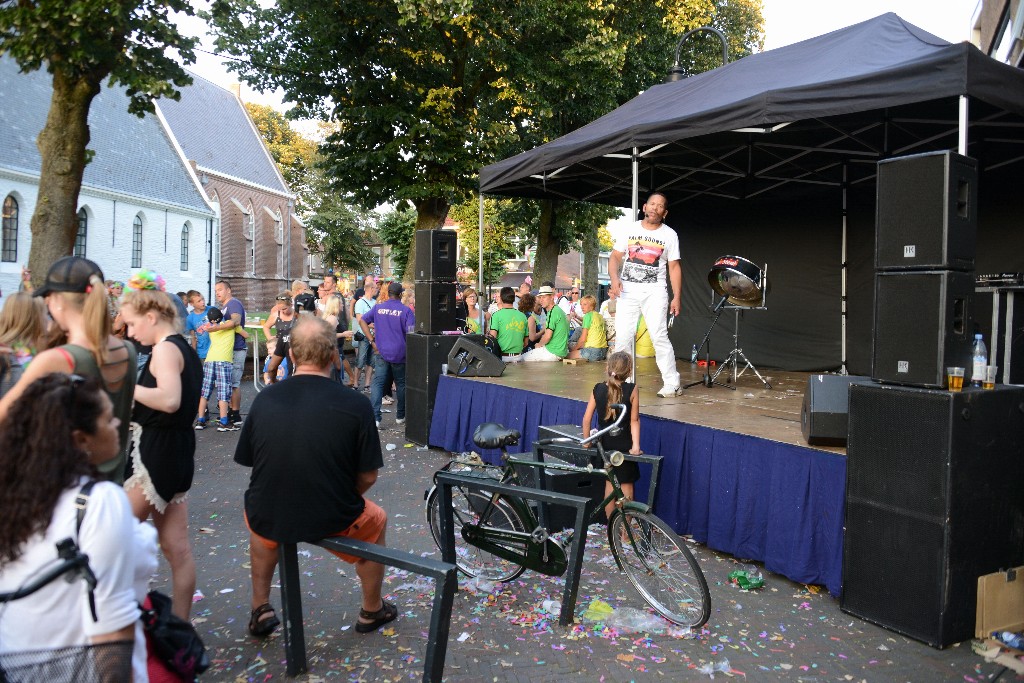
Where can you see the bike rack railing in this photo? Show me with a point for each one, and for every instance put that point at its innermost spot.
(446, 480)
(445, 576)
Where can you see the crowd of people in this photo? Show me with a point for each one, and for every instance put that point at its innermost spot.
(103, 386)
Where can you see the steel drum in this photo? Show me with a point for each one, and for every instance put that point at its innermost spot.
(741, 282)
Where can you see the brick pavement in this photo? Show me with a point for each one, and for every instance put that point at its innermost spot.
(786, 631)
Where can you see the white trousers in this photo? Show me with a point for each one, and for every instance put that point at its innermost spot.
(653, 304)
(540, 354)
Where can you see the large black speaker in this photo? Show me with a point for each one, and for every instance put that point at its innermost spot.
(436, 255)
(419, 409)
(823, 416)
(435, 307)
(425, 354)
(927, 212)
(923, 324)
(933, 501)
(470, 359)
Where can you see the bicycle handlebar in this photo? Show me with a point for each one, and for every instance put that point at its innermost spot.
(583, 441)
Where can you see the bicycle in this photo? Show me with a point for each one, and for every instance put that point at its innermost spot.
(498, 537)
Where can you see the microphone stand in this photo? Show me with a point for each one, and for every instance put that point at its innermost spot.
(707, 380)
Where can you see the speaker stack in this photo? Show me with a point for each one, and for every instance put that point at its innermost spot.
(933, 495)
(427, 348)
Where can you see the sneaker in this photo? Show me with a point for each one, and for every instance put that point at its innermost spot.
(226, 426)
(399, 420)
(200, 425)
(387, 400)
(669, 392)
(378, 424)
(235, 418)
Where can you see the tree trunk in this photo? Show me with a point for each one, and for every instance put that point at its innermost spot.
(591, 248)
(545, 264)
(62, 145)
(430, 215)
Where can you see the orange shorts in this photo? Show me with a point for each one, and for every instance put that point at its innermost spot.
(368, 527)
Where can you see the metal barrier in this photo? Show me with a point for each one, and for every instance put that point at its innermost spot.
(446, 480)
(445, 584)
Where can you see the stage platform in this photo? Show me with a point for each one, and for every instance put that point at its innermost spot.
(736, 473)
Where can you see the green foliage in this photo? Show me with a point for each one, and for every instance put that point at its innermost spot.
(604, 239)
(294, 154)
(339, 233)
(397, 229)
(88, 40)
(500, 238)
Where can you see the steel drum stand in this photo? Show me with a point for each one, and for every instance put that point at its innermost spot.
(708, 380)
(736, 355)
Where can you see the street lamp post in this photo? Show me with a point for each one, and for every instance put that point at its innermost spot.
(676, 73)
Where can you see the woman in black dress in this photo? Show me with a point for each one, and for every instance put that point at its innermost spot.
(617, 390)
(162, 459)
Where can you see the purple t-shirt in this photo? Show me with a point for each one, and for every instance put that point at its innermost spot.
(229, 309)
(392, 320)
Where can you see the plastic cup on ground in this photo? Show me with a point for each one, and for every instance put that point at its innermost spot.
(955, 378)
(990, 377)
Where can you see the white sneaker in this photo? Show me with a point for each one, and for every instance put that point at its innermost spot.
(378, 425)
(387, 400)
(669, 392)
(399, 420)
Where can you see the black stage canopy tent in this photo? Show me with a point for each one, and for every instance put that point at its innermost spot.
(773, 158)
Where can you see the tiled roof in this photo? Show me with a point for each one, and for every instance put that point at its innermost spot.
(133, 156)
(214, 130)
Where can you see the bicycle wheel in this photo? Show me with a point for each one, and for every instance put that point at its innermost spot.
(660, 567)
(467, 508)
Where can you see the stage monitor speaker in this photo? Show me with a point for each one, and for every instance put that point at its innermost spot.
(436, 254)
(933, 501)
(470, 359)
(419, 409)
(424, 356)
(823, 416)
(923, 324)
(435, 307)
(926, 212)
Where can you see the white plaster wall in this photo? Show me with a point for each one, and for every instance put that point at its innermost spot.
(109, 238)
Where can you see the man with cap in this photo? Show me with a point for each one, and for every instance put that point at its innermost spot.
(392, 320)
(554, 342)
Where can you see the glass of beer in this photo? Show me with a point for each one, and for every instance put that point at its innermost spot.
(990, 377)
(955, 378)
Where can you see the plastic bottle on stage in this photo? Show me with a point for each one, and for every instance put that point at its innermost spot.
(1014, 640)
(979, 359)
(693, 355)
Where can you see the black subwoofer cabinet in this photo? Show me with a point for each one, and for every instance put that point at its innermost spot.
(934, 499)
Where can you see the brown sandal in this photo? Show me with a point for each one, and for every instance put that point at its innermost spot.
(261, 628)
(387, 613)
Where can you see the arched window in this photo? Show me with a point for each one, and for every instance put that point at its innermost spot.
(184, 247)
(137, 242)
(80, 236)
(10, 239)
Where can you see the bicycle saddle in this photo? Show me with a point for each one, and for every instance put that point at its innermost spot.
(493, 435)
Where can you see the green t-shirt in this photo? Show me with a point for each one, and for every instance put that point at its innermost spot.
(559, 326)
(593, 322)
(510, 325)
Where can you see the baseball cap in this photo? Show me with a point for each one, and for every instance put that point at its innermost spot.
(214, 315)
(69, 274)
(545, 290)
(395, 289)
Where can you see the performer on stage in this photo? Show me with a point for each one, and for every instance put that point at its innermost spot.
(650, 249)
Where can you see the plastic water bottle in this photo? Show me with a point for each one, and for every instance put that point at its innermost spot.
(1014, 640)
(979, 359)
(693, 355)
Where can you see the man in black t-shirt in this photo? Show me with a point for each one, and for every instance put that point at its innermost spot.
(308, 478)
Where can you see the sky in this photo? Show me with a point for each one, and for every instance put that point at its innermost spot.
(786, 22)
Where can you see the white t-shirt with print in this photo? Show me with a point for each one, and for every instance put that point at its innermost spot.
(646, 254)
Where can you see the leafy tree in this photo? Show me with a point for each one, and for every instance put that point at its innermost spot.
(294, 153)
(339, 233)
(500, 238)
(82, 43)
(397, 229)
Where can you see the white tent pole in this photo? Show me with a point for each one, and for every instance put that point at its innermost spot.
(480, 301)
(962, 146)
(842, 369)
(632, 217)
